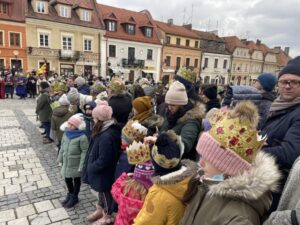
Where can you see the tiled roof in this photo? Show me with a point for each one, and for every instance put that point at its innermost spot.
(16, 10)
(74, 20)
(176, 30)
(232, 42)
(251, 46)
(140, 19)
(208, 36)
(81, 3)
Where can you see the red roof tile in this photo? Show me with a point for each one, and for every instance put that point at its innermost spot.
(81, 3)
(251, 46)
(16, 10)
(74, 20)
(232, 42)
(176, 30)
(208, 36)
(141, 19)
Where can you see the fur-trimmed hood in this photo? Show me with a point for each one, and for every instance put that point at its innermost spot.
(153, 121)
(197, 112)
(176, 183)
(250, 185)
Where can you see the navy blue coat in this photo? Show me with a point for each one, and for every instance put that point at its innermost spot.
(102, 158)
(85, 89)
(283, 131)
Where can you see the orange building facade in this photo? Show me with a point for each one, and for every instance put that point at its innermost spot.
(13, 54)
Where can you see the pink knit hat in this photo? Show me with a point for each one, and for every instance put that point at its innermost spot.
(231, 145)
(224, 159)
(102, 112)
(143, 173)
(77, 121)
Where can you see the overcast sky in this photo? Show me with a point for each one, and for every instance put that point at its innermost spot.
(275, 22)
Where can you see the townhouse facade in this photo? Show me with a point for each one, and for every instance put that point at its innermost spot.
(181, 48)
(131, 46)
(215, 60)
(13, 52)
(65, 35)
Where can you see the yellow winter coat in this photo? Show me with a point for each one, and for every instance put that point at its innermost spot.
(163, 204)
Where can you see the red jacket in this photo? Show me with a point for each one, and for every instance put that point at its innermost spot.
(129, 207)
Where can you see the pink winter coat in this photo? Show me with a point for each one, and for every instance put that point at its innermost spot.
(128, 206)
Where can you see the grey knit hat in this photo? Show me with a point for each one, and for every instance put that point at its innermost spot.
(73, 95)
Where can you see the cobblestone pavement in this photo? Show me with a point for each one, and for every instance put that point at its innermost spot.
(31, 186)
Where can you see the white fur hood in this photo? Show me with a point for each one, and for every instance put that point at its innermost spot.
(253, 184)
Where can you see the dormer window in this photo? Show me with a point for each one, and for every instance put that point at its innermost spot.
(148, 32)
(63, 11)
(130, 28)
(3, 8)
(86, 15)
(41, 7)
(111, 25)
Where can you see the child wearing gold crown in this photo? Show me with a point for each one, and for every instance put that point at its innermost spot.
(164, 201)
(237, 179)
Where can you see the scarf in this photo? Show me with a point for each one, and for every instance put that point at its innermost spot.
(142, 116)
(280, 104)
(172, 118)
(71, 134)
(107, 124)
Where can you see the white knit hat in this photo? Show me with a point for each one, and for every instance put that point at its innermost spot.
(80, 81)
(176, 95)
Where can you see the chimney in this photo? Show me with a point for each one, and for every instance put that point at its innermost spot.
(277, 49)
(287, 50)
(258, 42)
(170, 21)
(188, 26)
(244, 40)
(215, 32)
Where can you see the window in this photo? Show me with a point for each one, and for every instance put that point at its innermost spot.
(168, 61)
(148, 32)
(67, 43)
(41, 7)
(187, 62)
(3, 8)
(64, 11)
(178, 61)
(196, 44)
(149, 54)
(205, 62)
(216, 63)
(196, 63)
(187, 43)
(88, 45)
(2, 64)
(112, 50)
(85, 15)
(210, 44)
(234, 66)
(15, 39)
(44, 40)
(111, 26)
(168, 39)
(225, 64)
(1, 38)
(130, 29)
(177, 41)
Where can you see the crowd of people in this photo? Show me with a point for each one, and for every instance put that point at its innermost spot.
(178, 153)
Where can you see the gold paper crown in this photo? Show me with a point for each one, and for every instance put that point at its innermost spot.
(117, 85)
(54, 86)
(138, 153)
(134, 131)
(234, 131)
(187, 74)
(161, 159)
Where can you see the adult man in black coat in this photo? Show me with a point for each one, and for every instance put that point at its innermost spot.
(283, 123)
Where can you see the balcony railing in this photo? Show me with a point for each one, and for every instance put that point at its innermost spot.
(135, 63)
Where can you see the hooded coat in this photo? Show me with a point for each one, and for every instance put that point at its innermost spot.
(264, 106)
(163, 204)
(153, 122)
(60, 115)
(240, 200)
(189, 127)
(84, 89)
(43, 108)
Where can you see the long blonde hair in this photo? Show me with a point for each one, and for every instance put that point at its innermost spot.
(137, 189)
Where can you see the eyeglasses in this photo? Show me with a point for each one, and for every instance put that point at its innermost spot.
(291, 83)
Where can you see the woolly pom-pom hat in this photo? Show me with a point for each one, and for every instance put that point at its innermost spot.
(77, 121)
(102, 112)
(73, 95)
(167, 152)
(142, 104)
(143, 173)
(176, 95)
